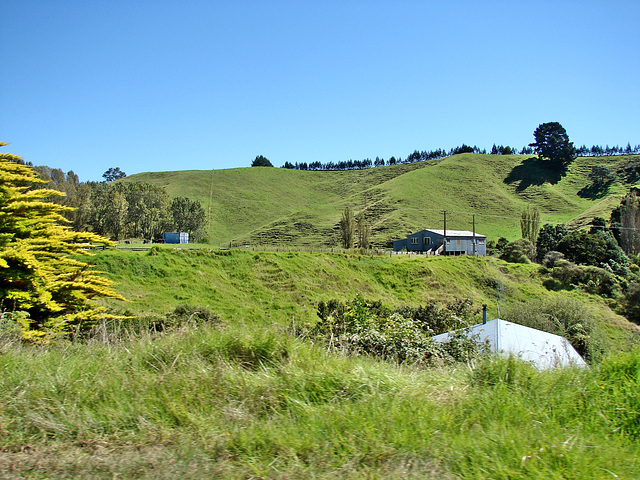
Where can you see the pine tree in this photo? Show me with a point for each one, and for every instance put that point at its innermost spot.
(364, 231)
(40, 273)
(529, 223)
(347, 228)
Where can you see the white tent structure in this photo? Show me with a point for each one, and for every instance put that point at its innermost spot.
(543, 349)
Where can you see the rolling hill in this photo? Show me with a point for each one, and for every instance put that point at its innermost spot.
(275, 206)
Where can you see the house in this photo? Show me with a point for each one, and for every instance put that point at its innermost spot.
(544, 350)
(175, 237)
(458, 242)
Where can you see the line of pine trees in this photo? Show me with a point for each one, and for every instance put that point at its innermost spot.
(420, 156)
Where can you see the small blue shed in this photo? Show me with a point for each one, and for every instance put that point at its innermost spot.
(431, 241)
(175, 237)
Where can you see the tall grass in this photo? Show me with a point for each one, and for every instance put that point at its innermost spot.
(252, 402)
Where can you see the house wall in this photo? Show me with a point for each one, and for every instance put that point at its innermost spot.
(426, 240)
(399, 245)
(419, 242)
(465, 245)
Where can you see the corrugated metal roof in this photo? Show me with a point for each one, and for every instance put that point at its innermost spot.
(545, 350)
(455, 233)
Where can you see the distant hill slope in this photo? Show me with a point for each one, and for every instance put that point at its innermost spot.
(275, 206)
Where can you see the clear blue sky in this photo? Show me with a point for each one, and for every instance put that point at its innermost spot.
(155, 85)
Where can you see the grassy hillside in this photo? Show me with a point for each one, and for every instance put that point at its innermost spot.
(283, 288)
(246, 399)
(274, 206)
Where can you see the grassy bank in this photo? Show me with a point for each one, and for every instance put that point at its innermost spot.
(238, 402)
(241, 397)
(281, 288)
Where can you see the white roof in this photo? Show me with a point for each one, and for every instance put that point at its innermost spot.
(545, 350)
(455, 233)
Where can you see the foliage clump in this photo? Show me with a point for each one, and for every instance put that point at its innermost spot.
(562, 316)
(40, 273)
(403, 335)
(518, 251)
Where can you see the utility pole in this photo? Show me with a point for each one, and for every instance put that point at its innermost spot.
(474, 234)
(444, 249)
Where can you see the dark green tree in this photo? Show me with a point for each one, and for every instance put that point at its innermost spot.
(598, 248)
(261, 161)
(602, 176)
(188, 215)
(548, 238)
(113, 174)
(552, 143)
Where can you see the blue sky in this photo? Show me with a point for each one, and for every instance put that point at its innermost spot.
(178, 85)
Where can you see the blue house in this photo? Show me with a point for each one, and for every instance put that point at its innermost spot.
(430, 241)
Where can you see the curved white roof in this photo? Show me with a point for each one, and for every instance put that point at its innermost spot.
(545, 350)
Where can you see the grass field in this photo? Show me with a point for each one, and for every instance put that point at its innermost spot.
(241, 397)
(243, 402)
(274, 206)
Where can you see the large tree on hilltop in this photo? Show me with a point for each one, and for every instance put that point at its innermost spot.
(113, 174)
(261, 161)
(43, 284)
(552, 143)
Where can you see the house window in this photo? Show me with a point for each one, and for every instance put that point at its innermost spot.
(415, 241)
(427, 240)
(458, 242)
(481, 241)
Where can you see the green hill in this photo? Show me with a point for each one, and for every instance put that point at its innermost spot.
(275, 206)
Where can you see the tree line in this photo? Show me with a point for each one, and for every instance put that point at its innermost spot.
(421, 156)
(122, 210)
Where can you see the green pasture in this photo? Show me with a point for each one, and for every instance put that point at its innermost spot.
(275, 206)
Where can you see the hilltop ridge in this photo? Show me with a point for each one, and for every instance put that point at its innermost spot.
(277, 206)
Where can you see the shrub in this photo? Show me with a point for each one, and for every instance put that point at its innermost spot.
(561, 316)
(519, 251)
(441, 318)
(599, 249)
(496, 247)
(549, 236)
(551, 257)
(631, 302)
(404, 335)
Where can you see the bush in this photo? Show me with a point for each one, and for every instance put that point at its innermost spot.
(496, 247)
(598, 249)
(631, 302)
(551, 257)
(519, 251)
(404, 335)
(566, 275)
(561, 316)
(441, 318)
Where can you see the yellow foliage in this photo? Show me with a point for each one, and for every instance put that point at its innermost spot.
(40, 272)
